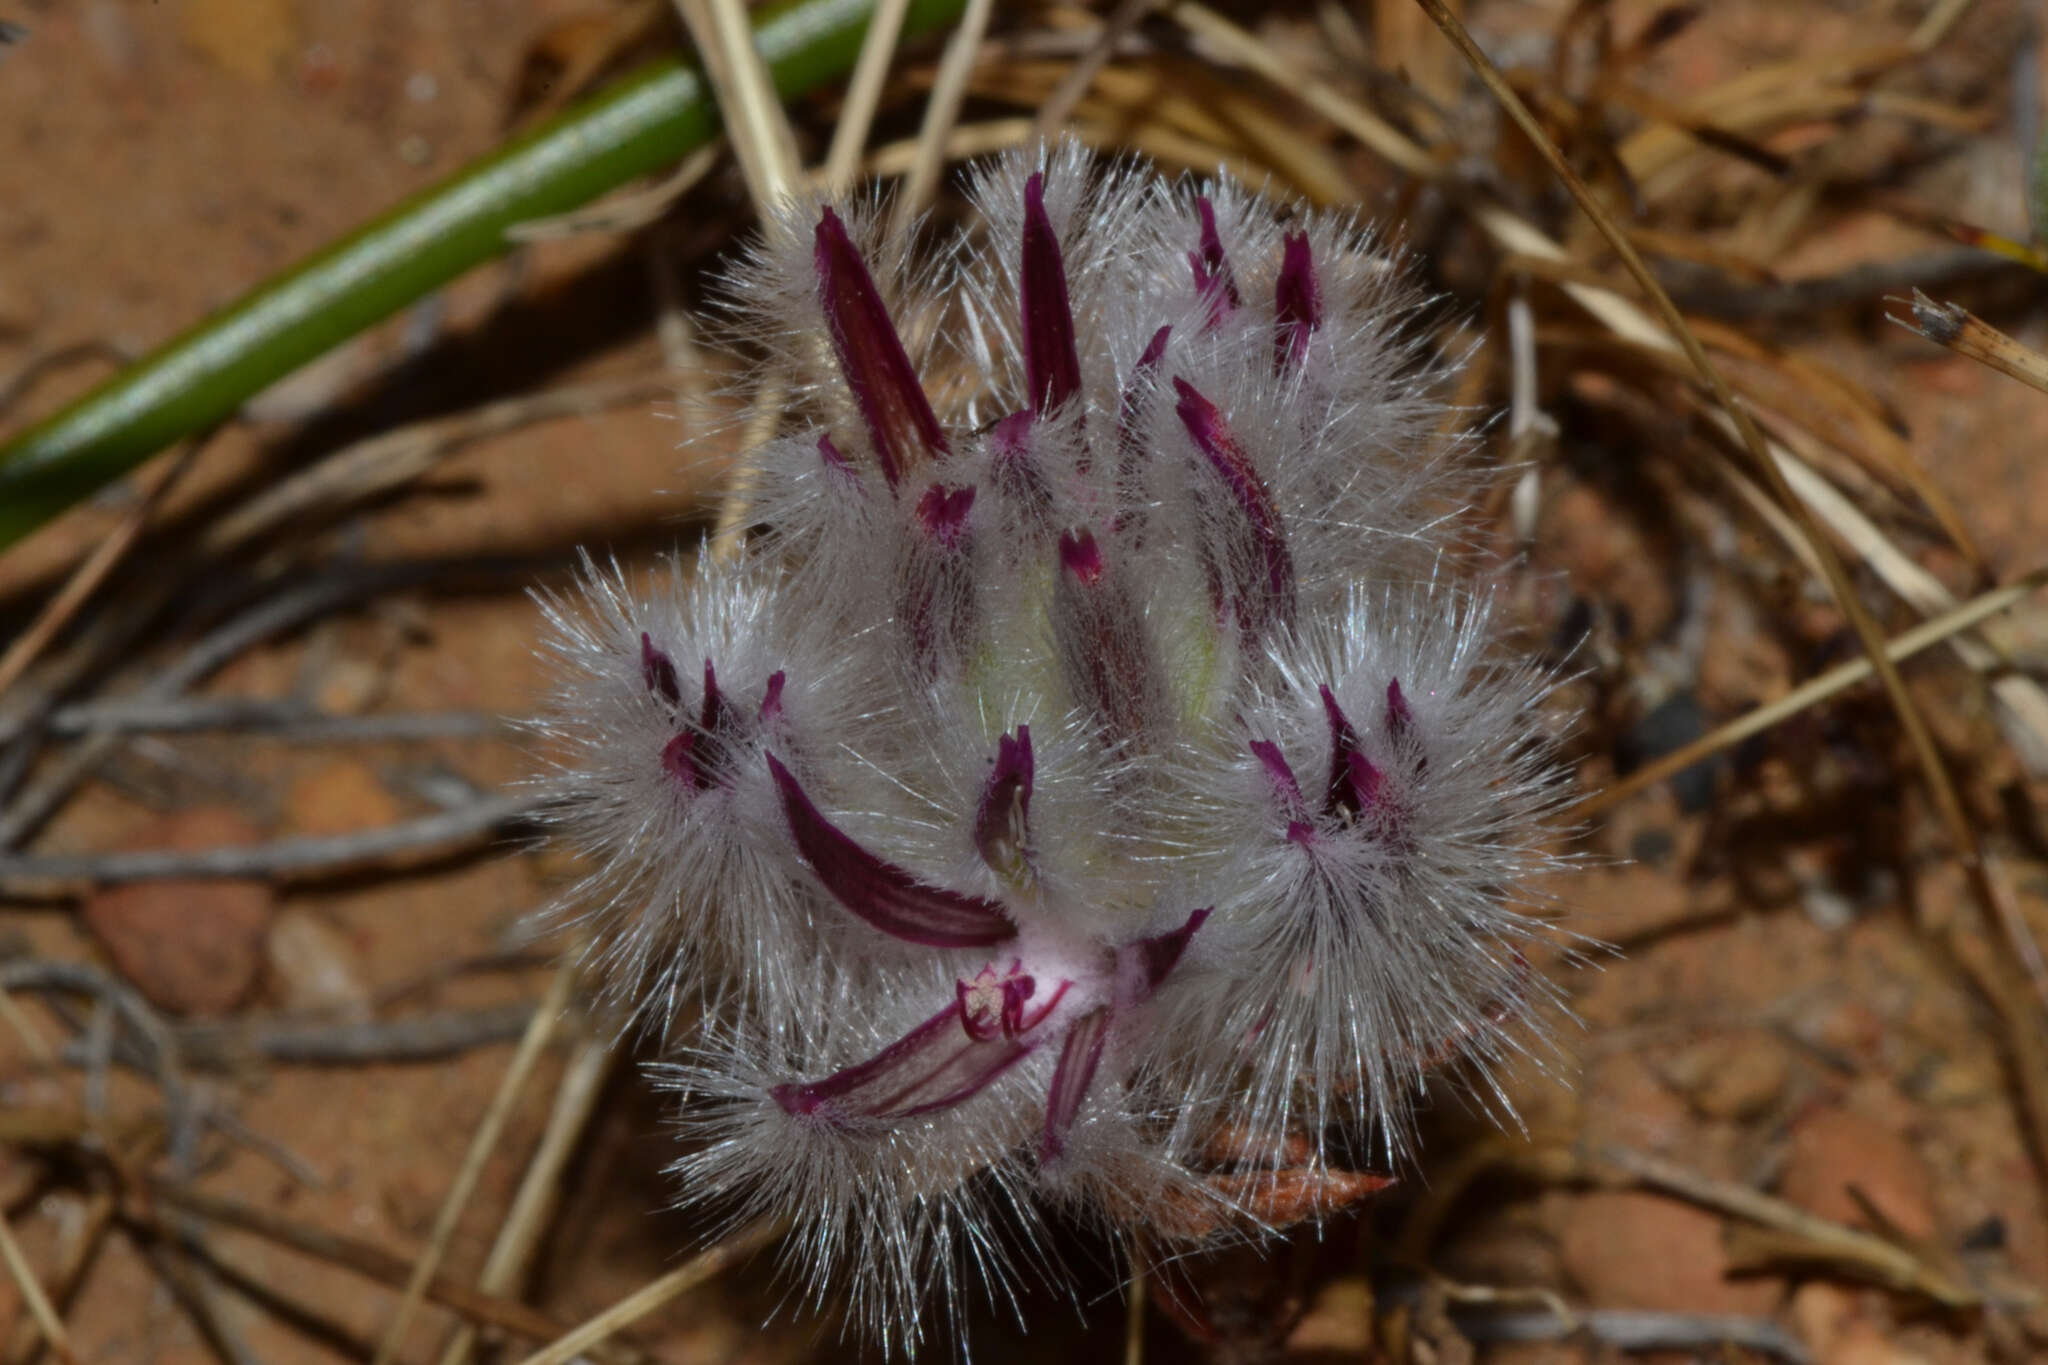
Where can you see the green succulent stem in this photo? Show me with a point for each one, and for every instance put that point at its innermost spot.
(203, 376)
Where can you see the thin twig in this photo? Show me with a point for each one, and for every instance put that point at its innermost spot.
(941, 112)
(652, 1296)
(628, 211)
(364, 1258)
(165, 1061)
(1802, 299)
(899, 158)
(290, 720)
(314, 1323)
(1837, 679)
(414, 1038)
(288, 608)
(93, 570)
(31, 1288)
(538, 1033)
(38, 877)
(38, 1047)
(169, 1257)
(29, 375)
(27, 1344)
(1052, 114)
(1886, 1262)
(1635, 1329)
(392, 459)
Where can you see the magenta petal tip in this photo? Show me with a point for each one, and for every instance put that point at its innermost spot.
(893, 405)
(1052, 363)
(881, 893)
(659, 671)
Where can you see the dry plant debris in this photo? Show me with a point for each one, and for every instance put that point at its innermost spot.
(1820, 1061)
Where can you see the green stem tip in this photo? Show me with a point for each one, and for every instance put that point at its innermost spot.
(205, 375)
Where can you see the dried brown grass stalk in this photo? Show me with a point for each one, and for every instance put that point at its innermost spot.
(481, 1144)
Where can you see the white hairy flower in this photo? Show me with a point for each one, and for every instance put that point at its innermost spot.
(1092, 792)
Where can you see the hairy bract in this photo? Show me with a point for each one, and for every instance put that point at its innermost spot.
(1096, 790)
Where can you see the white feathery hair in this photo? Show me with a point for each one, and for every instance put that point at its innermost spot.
(1097, 788)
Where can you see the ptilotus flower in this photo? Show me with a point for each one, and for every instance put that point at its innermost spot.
(1093, 790)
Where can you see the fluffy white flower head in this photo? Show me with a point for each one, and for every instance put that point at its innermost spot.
(1092, 792)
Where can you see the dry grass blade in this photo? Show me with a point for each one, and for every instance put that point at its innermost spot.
(1961, 331)
(533, 1206)
(1810, 693)
(736, 508)
(39, 1307)
(1052, 114)
(38, 1047)
(27, 1344)
(364, 1258)
(1753, 100)
(941, 112)
(755, 120)
(1779, 476)
(1921, 739)
(481, 1144)
(893, 159)
(650, 1297)
(863, 93)
(1134, 1315)
(1240, 48)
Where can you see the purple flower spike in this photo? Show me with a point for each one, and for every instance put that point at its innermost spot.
(1213, 278)
(695, 757)
(1256, 603)
(679, 761)
(1052, 365)
(1080, 1054)
(714, 717)
(1354, 782)
(1014, 470)
(1400, 720)
(938, 1064)
(659, 671)
(1002, 822)
(1297, 304)
(1104, 649)
(893, 404)
(937, 587)
(942, 511)
(1081, 557)
(771, 698)
(1285, 787)
(884, 895)
(835, 460)
(1131, 455)
(1156, 957)
(1362, 782)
